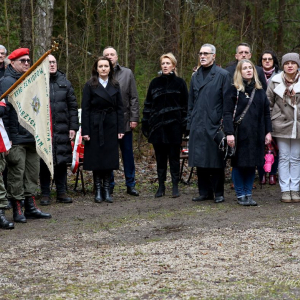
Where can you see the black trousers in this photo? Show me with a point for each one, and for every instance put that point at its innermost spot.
(60, 178)
(163, 153)
(211, 180)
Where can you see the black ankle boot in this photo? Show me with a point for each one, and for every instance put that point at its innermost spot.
(32, 211)
(162, 175)
(98, 188)
(161, 190)
(4, 223)
(106, 187)
(17, 212)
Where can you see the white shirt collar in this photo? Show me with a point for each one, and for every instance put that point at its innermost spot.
(103, 82)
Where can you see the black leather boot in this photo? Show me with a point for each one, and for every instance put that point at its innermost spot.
(4, 223)
(32, 211)
(98, 187)
(17, 212)
(160, 191)
(106, 182)
(162, 175)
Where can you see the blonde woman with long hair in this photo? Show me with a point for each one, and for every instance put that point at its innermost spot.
(254, 131)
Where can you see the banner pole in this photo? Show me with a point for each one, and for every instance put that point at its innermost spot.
(32, 68)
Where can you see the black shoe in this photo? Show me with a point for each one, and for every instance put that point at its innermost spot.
(4, 223)
(32, 211)
(132, 191)
(45, 200)
(251, 201)
(63, 198)
(243, 201)
(175, 191)
(219, 199)
(202, 198)
(161, 191)
(17, 212)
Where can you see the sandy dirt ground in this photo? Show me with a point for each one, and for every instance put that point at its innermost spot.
(147, 248)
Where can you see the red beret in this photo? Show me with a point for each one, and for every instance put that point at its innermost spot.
(18, 53)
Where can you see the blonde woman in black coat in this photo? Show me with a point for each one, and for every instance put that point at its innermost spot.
(102, 126)
(253, 132)
(164, 121)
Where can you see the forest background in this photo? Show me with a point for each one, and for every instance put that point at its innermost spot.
(142, 30)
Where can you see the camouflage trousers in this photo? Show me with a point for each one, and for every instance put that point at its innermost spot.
(23, 171)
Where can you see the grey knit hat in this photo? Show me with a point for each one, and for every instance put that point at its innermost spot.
(291, 57)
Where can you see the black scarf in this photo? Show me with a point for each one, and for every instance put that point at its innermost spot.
(249, 86)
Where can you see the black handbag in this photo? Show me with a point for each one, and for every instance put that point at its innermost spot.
(221, 139)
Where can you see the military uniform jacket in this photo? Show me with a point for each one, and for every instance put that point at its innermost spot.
(16, 133)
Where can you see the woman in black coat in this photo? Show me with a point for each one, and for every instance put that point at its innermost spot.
(102, 126)
(253, 132)
(164, 121)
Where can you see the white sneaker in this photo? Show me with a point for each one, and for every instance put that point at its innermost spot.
(286, 197)
(295, 196)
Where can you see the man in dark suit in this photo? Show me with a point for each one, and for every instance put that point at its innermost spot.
(243, 51)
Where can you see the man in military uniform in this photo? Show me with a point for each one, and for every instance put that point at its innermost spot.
(131, 117)
(23, 160)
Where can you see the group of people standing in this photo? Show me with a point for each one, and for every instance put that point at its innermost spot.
(105, 115)
(255, 106)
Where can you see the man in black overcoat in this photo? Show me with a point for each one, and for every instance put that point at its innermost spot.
(64, 112)
(243, 51)
(209, 87)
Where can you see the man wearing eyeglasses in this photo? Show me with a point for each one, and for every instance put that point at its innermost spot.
(23, 160)
(209, 87)
(3, 52)
(243, 51)
(64, 112)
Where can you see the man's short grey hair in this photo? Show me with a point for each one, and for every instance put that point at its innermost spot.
(243, 44)
(212, 47)
(6, 61)
(109, 47)
(2, 47)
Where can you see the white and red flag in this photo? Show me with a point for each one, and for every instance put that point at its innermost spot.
(4, 140)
